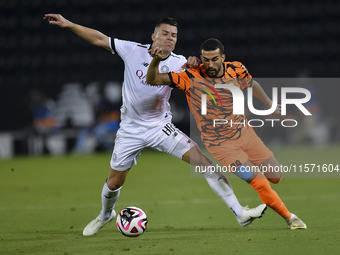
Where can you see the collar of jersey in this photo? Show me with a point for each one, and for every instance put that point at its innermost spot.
(163, 58)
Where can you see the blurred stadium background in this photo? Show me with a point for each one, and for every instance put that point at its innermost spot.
(283, 39)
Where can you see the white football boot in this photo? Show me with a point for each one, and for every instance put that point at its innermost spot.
(94, 226)
(251, 214)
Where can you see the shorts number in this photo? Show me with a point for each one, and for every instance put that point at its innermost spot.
(168, 129)
(236, 164)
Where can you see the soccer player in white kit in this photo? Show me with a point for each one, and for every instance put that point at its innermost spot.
(146, 120)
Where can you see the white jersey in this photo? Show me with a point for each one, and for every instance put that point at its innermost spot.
(144, 104)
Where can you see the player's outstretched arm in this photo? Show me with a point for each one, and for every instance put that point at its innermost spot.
(153, 76)
(92, 36)
(259, 93)
(192, 62)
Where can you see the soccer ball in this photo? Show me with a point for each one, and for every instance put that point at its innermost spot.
(131, 221)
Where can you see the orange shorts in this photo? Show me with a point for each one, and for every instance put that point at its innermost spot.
(235, 152)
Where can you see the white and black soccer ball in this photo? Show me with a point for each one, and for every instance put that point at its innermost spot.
(131, 221)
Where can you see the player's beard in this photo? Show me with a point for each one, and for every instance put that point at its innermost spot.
(213, 72)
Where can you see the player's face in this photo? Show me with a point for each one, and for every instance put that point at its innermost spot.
(165, 37)
(213, 61)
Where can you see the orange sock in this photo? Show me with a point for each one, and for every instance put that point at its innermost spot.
(269, 197)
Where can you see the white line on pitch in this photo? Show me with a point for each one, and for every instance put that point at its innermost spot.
(163, 202)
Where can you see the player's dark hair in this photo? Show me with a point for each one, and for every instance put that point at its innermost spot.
(168, 20)
(212, 44)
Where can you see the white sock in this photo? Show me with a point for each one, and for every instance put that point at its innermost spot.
(109, 198)
(291, 217)
(237, 209)
(220, 185)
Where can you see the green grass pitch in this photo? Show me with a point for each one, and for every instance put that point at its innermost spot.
(45, 202)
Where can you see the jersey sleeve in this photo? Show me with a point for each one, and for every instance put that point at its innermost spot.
(182, 61)
(121, 47)
(242, 74)
(180, 80)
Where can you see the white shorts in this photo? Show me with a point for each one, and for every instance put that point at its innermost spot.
(132, 139)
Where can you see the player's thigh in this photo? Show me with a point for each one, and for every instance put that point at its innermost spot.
(169, 139)
(257, 151)
(230, 154)
(260, 155)
(127, 148)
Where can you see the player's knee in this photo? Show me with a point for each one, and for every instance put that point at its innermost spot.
(116, 179)
(275, 180)
(112, 185)
(204, 160)
(195, 157)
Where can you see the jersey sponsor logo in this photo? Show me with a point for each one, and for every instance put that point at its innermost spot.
(142, 77)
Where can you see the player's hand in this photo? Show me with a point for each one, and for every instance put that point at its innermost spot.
(191, 63)
(277, 110)
(156, 52)
(57, 19)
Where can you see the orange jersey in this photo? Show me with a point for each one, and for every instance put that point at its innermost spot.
(195, 82)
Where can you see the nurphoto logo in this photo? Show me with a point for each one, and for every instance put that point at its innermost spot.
(238, 104)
